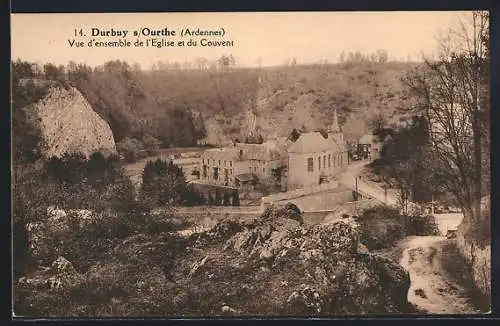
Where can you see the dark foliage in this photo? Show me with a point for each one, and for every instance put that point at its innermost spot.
(256, 139)
(381, 227)
(294, 135)
(421, 225)
(236, 198)
(163, 183)
(406, 161)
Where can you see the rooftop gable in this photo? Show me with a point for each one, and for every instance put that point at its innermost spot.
(311, 142)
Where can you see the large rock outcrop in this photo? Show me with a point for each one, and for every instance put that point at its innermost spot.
(279, 266)
(68, 123)
(274, 265)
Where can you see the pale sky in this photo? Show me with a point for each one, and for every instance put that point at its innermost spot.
(271, 37)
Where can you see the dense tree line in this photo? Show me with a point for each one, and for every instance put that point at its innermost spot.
(407, 163)
(380, 56)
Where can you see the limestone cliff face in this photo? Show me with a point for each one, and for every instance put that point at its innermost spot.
(69, 124)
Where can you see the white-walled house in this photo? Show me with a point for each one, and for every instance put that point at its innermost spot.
(313, 159)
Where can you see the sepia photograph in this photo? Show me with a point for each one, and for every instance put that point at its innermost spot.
(250, 164)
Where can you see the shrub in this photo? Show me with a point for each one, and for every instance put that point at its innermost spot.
(150, 142)
(381, 227)
(480, 232)
(163, 183)
(421, 225)
(129, 148)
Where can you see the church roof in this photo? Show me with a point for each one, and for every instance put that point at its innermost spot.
(312, 142)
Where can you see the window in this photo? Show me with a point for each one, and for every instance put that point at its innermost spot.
(341, 159)
(263, 170)
(310, 164)
(219, 162)
(254, 169)
(329, 160)
(203, 161)
(225, 162)
(231, 163)
(319, 163)
(324, 161)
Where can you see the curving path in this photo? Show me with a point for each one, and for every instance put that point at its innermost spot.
(433, 262)
(435, 271)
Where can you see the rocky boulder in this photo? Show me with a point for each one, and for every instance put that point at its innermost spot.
(68, 123)
(60, 274)
(278, 266)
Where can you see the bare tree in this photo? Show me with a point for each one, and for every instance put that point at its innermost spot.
(382, 55)
(342, 56)
(453, 93)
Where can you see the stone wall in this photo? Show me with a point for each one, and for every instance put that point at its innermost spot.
(479, 258)
(297, 193)
(476, 254)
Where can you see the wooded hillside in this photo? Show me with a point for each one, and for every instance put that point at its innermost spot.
(177, 107)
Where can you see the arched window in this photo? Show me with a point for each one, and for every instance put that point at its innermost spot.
(310, 164)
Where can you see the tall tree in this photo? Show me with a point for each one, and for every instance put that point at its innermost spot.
(453, 93)
(163, 183)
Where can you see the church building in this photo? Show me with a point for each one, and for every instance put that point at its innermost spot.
(314, 159)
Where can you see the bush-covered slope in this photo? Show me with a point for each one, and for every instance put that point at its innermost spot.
(283, 98)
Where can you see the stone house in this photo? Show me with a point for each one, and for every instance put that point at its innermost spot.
(241, 165)
(369, 146)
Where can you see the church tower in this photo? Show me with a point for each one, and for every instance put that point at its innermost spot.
(334, 130)
(334, 127)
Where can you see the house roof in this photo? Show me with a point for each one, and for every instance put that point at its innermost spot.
(268, 151)
(367, 139)
(229, 153)
(314, 142)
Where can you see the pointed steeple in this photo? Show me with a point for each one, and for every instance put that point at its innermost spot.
(334, 127)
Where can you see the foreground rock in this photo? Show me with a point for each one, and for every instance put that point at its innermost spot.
(274, 265)
(277, 266)
(68, 123)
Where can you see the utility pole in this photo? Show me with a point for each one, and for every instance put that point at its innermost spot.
(356, 189)
(432, 204)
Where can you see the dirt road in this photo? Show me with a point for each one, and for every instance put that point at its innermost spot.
(354, 170)
(438, 279)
